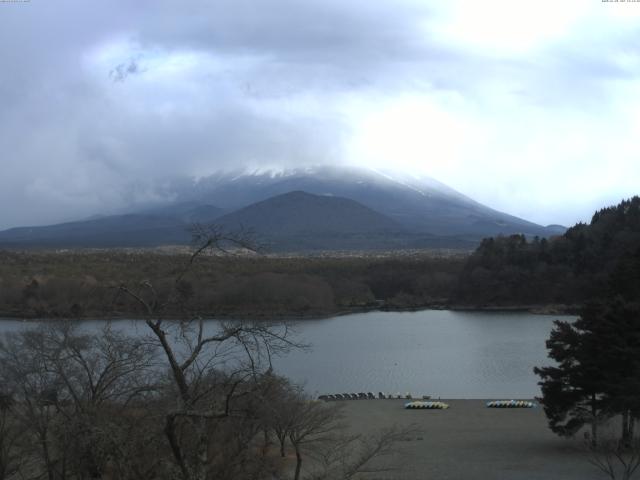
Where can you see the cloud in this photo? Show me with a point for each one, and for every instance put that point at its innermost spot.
(123, 70)
(105, 104)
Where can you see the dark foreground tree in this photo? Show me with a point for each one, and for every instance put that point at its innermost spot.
(11, 454)
(76, 399)
(572, 391)
(215, 370)
(614, 458)
(597, 374)
(617, 326)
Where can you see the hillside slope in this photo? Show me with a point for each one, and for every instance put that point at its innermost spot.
(420, 204)
(168, 226)
(298, 209)
(303, 221)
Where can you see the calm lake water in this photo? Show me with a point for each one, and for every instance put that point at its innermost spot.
(441, 353)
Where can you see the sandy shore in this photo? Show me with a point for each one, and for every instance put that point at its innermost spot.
(470, 441)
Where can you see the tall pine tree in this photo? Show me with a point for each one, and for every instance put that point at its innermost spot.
(598, 369)
(572, 392)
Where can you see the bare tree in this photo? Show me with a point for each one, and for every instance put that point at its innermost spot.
(34, 389)
(279, 400)
(312, 423)
(352, 456)
(196, 353)
(617, 459)
(11, 455)
(70, 391)
(191, 399)
(317, 429)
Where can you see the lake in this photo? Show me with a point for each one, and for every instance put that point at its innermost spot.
(436, 352)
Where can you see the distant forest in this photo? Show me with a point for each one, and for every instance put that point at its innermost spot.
(504, 272)
(587, 262)
(85, 284)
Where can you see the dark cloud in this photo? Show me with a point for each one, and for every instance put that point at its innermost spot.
(123, 70)
(104, 103)
(84, 127)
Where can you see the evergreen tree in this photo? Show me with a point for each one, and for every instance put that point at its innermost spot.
(567, 269)
(598, 369)
(572, 391)
(617, 325)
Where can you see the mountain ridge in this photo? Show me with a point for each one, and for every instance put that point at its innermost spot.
(416, 212)
(418, 202)
(298, 211)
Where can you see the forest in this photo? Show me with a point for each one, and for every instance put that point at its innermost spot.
(588, 261)
(593, 380)
(503, 272)
(83, 284)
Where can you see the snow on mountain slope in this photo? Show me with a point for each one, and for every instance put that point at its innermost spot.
(418, 203)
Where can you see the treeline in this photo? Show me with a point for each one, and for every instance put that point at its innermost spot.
(509, 271)
(594, 376)
(84, 284)
(568, 269)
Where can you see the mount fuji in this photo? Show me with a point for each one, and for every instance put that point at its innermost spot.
(319, 208)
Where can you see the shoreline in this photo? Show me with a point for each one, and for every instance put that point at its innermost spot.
(562, 310)
(555, 309)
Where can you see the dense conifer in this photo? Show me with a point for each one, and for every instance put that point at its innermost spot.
(598, 361)
(569, 269)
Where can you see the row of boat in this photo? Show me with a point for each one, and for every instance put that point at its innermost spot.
(510, 404)
(492, 404)
(368, 396)
(426, 405)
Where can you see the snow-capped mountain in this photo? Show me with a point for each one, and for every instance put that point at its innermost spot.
(298, 209)
(419, 203)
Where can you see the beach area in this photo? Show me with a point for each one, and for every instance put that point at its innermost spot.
(470, 441)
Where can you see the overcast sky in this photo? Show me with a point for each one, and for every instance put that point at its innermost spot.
(530, 106)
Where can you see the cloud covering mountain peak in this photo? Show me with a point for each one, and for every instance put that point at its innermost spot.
(106, 104)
